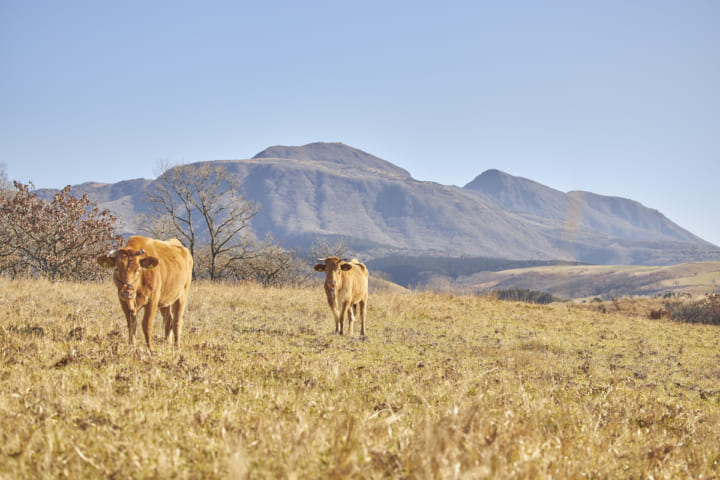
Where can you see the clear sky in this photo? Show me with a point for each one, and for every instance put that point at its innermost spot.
(616, 97)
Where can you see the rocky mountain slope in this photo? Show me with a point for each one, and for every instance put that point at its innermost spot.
(326, 190)
(618, 217)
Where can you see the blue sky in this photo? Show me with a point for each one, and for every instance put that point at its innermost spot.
(615, 97)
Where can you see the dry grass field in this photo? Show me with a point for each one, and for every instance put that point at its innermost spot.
(442, 387)
(587, 281)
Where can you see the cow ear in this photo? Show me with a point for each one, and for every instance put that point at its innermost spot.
(346, 266)
(149, 262)
(105, 261)
(320, 267)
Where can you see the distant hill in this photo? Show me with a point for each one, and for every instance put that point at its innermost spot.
(565, 280)
(421, 271)
(331, 190)
(520, 194)
(604, 281)
(618, 217)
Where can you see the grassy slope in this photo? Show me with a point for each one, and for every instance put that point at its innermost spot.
(444, 386)
(603, 280)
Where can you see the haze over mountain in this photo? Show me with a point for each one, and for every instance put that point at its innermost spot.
(328, 190)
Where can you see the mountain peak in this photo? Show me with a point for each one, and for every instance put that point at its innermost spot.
(619, 217)
(518, 193)
(493, 181)
(335, 153)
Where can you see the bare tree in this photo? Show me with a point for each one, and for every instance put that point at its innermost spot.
(232, 265)
(324, 248)
(171, 197)
(203, 202)
(155, 226)
(225, 213)
(269, 264)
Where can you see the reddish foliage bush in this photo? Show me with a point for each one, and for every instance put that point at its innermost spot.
(58, 239)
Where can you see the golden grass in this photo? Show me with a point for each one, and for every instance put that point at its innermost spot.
(443, 387)
(588, 281)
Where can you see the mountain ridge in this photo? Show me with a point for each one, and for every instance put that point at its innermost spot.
(612, 215)
(334, 153)
(331, 190)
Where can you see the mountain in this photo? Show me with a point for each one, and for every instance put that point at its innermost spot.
(374, 208)
(331, 190)
(618, 217)
(520, 194)
(335, 154)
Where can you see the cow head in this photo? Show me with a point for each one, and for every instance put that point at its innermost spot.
(128, 264)
(333, 268)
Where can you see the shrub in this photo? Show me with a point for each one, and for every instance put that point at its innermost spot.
(524, 295)
(58, 239)
(705, 310)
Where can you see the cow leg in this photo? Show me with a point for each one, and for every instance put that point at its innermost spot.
(131, 318)
(167, 322)
(147, 324)
(178, 311)
(338, 322)
(343, 311)
(336, 317)
(363, 309)
(351, 319)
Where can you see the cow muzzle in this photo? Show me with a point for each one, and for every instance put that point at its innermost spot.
(127, 291)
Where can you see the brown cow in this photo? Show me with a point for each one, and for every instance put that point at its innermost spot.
(346, 287)
(151, 274)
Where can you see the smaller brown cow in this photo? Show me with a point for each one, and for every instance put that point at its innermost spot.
(346, 287)
(151, 274)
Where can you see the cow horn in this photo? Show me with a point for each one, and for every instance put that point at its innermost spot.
(112, 253)
(140, 252)
(321, 259)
